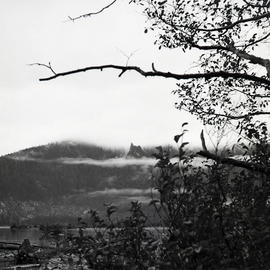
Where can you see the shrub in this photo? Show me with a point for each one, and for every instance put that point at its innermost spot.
(211, 217)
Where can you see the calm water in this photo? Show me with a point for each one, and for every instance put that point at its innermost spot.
(17, 236)
(34, 234)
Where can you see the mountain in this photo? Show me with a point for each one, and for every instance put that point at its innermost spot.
(136, 152)
(60, 180)
(67, 149)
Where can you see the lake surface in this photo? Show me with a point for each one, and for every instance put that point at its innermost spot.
(17, 236)
(34, 234)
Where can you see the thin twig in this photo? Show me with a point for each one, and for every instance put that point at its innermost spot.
(91, 13)
(44, 65)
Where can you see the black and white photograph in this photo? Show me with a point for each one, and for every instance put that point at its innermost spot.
(135, 135)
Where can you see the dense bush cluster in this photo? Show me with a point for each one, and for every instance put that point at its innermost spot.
(211, 217)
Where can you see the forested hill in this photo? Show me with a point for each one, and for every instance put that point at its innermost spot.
(69, 150)
(57, 182)
(41, 173)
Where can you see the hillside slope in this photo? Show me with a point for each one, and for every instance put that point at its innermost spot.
(62, 179)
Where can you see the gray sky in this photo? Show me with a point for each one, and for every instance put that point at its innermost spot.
(95, 106)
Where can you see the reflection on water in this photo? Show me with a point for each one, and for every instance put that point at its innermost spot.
(17, 236)
(34, 234)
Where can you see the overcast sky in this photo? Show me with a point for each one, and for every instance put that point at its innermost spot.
(96, 106)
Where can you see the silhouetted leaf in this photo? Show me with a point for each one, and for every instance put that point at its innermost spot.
(184, 144)
(176, 138)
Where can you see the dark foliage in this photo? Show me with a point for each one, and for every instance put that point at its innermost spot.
(209, 219)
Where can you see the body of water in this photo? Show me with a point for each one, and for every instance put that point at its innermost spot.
(18, 235)
(34, 235)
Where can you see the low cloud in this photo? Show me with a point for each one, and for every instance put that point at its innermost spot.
(122, 162)
(123, 192)
(114, 162)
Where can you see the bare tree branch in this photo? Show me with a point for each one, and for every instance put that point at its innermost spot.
(155, 73)
(44, 65)
(234, 162)
(92, 13)
(128, 56)
(230, 161)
